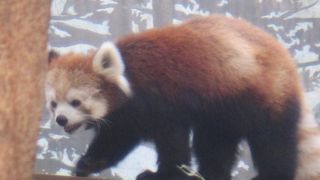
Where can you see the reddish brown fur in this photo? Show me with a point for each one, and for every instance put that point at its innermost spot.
(72, 62)
(267, 70)
(71, 70)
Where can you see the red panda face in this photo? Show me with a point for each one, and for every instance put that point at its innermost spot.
(73, 106)
(83, 89)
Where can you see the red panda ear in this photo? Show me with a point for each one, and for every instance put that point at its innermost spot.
(52, 55)
(108, 63)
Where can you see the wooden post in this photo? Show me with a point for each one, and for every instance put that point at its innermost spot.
(23, 55)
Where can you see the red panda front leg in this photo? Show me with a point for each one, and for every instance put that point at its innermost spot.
(173, 148)
(106, 149)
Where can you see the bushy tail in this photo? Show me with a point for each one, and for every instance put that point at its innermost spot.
(309, 147)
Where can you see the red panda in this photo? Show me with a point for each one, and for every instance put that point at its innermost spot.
(222, 78)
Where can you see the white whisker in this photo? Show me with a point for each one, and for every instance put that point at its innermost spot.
(98, 122)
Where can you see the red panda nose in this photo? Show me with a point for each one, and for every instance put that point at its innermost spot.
(62, 120)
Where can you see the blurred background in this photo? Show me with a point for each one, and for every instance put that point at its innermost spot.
(80, 25)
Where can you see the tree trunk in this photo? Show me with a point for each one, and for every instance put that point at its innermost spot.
(23, 43)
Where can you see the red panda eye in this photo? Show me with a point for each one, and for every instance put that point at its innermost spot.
(75, 103)
(53, 104)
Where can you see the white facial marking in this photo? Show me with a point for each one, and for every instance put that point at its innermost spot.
(77, 94)
(50, 96)
(92, 106)
(73, 115)
(50, 93)
(97, 106)
(108, 62)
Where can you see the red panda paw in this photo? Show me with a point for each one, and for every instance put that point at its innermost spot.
(87, 166)
(82, 168)
(147, 174)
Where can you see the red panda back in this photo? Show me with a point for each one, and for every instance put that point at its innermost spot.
(213, 56)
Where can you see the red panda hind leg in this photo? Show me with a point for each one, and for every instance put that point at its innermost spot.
(272, 140)
(274, 145)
